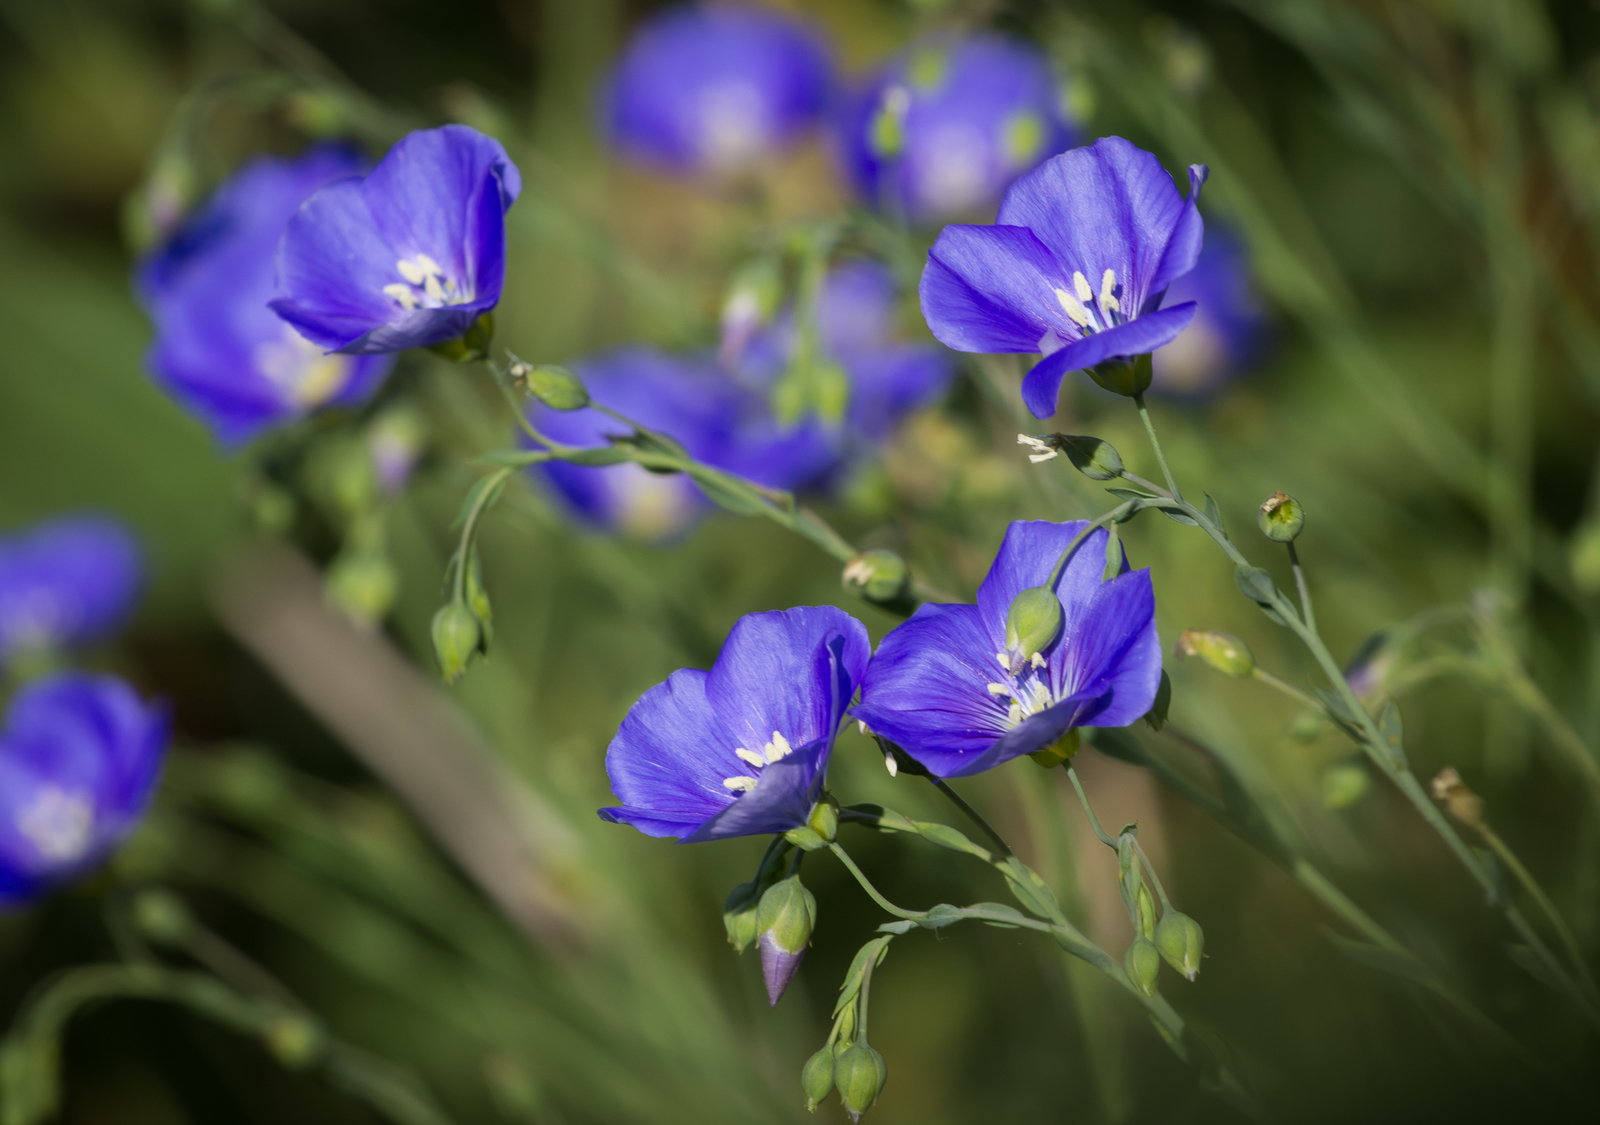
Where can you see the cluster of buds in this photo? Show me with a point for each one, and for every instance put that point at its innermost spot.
(1173, 936)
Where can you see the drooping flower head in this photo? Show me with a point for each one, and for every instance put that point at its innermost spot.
(690, 399)
(219, 349)
(714, 88)
(945, 127)
(740, 750)
(889, 378)
(1228, 328)
(409, 255)
(68, 581)
(79, 759)
(1075, 267)
(946, 687)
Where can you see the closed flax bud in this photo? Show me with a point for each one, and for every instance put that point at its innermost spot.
(1145, 908)
(1461, 802)
(1032, 623)
(1143, 963)
(1222, 651)
(816, 1078)
(1130, 874)
(1281, 517)
(739, 915)
(784, 921)
(1180, 942)
(879, 575)
(556, 387)
(859, 1072)
(163, 918)
(456, 636)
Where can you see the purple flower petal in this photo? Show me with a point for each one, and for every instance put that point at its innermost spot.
(992, 289)
(1042, 385)
(71, 580)
(778, 967)
(1183, 248)
(667, 762)
(781, 800)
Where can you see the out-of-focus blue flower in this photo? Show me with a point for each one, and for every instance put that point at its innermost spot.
(944, 128)
(740, 750)
(856, 314)
(691, 400)
(1076, 266)
(1228, 327)
(67, 581)
(943, 687)
(714, 88)
(79, 759)
(407, 256)
(219, 349)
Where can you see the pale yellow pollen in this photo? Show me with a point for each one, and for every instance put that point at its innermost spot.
(1073, 307)
(778, 748)
(419, 269)
(1108, 298)
(750, 756)
(998, 689)
(739, 784)
(1036, 660)
(401, 295)
(1005, 661)
(1081, 284)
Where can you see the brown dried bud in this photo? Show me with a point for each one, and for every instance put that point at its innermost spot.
(1459, 801)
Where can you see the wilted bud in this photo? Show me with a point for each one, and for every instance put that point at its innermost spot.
(1145, 909)
(860, 1073)
(1281, 517)
(1143, 963)
(1222, 651)
(784, 921)
(162, 917)
(1032, 623)
(1180, 942)
(456, 637)
(1124, 376)
(739, 915)
(1061, 750)
(879, 575)
(1461, 802)
(816, 1078)
(1092, 457)
(824, 819)
(556, 387)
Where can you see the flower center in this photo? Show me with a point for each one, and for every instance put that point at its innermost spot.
(1081, 305)
(773, 751)
(304, 374)
(1028, 692)
(58, 823)
(426, 286)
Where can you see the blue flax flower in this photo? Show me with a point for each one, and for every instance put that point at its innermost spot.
(856, 323)
(944, 128)
(407, 256)
(79, 759)
(1228, 329)
(1076, 266)
(715, 88)
(219, 349)
(944, 688)
(740, 750)
(688, 398)
(70, 580)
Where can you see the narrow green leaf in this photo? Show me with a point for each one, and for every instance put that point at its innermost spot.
(940, 916)
(1114, 558)
(1534, 965)
(1132, 494)
(1171, 510)
(1394, 962)
(1393, 734)
(1000, 908)
(872, 951)
(1214, 514)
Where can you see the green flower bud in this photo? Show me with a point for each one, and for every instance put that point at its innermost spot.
(1281, 517)
(472, 345)
(886, 131)
(879, 575)
(1130, 875)
(739, 915)
(1145, 908)
(1143, 963)
(294, 1040)
(556, 387)
(1124, 376)
(1180, 942)
(859, 1072)
(1222, 651)
(824, 819)
(784, 921)
(1345, 784)
(816, 1078)
(1061, 750)
(1032, 623)
(163, 918)
(456, 639)
(364, 584)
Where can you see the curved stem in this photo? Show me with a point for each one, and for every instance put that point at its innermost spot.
(1161, 892)
(1536, 892)
(1309, 617)
(1161, 458)
(1290, 690)
(972, 814)
(1083, 799)
(866, 885)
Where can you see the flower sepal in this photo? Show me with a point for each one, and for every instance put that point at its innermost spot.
(1124, 376)
(784, 921)
(1032, 623)
(1060, 751)
(472, 345)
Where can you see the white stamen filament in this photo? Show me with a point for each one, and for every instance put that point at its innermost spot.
(774, 751)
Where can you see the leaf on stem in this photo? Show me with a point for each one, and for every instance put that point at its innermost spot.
(1001, 909)
(1393, 735)
(1214, 514)
(1113, 555)
(940, 916)
(1257, 585)
(875, 951)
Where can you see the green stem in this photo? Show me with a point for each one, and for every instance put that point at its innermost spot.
(1083, 799)
(861, 1004)
(1161, 458)
(1161, 892)
(1306, 613)
(1536, 892)
(1290, 690)
(972, 814)
(866, 885)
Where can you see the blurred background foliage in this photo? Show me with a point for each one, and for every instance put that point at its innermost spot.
(1417, 183)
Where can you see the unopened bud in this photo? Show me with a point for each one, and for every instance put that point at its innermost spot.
(816, 1078)
(739, 915)
(162, 917)
(1032, 623)
(886, 131)
(1222, 651)
(1344, 784)
(1180, 942)
(1145, 908)
(556, 387)
(784, 921)
(753, 296)
(294, 1040)
(1124, 376)
(1143, 964)
(1281, 517)
(456, 637)
(1130, 875)
(879, 575)
(1461, 802)
(364, 584)
(859, 1072)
